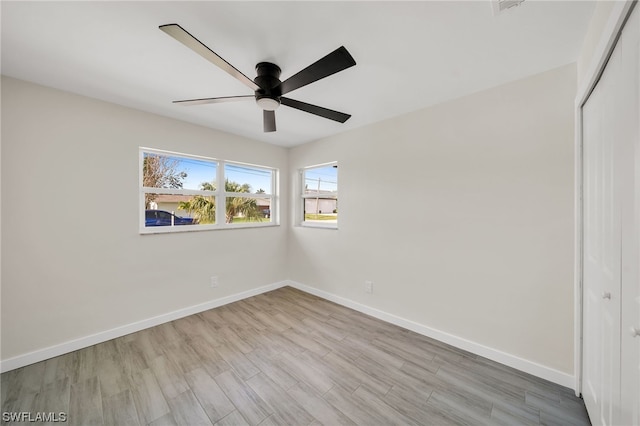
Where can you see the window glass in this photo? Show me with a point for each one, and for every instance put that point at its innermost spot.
(249, 179)
(177, 210)
(166, 171)
(248, 210)
(180, 192)
(320, 195)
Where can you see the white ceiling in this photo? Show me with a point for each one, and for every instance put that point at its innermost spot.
(409, 54)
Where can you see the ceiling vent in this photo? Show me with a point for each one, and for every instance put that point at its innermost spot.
(500, 6)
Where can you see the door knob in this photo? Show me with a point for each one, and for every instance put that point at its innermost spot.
(635, 331)
(606, 295)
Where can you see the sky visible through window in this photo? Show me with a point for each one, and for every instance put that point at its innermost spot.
(326, 177)
(200, 171)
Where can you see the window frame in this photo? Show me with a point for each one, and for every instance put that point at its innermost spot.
(219, 195)
(303, 197)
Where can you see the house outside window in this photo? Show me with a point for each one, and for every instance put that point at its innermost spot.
(320, 196)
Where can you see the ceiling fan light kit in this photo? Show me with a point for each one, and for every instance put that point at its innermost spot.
(267, 87)
(267, 104)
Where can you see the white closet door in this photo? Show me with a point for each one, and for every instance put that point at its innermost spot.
(602, 291)
(630, 127)
(611, 256)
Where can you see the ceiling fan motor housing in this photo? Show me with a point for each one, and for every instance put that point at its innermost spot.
(269, 81)
(267, 87)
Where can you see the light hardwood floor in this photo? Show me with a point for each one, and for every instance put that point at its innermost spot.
(284, 357)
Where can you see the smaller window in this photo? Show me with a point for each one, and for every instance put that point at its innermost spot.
(320, 196)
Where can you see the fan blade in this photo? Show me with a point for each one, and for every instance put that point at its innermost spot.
(314, 109)
(269, 121)
(334, 62)
(214, 100)
(183, 36)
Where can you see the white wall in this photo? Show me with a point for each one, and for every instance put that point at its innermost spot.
(597, 24)
(73, 261)
(475, 236)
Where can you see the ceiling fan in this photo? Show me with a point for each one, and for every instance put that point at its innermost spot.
(267, 87)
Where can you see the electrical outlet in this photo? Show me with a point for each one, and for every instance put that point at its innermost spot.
(214, 281)
(368, 286)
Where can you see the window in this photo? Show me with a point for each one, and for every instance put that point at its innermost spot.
(180, 192)
(320, 196)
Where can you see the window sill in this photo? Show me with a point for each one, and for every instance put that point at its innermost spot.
(319, 225)
(201, 228)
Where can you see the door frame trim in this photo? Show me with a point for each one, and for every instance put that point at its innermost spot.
(608, 39)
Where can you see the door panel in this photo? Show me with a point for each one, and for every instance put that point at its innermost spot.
(611, 251)
(602, 291)
(630, 218)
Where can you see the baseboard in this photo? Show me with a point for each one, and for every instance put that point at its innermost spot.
(521, 364)
(83, 342)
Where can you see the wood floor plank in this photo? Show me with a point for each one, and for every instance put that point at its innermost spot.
(212, 399)
(291, 322)
(186, 410)
(407, 353)
(87, 363)
(4, 388)
(54, 397)
(111, 370)
(397, 377)
(266, 365)
(119, 409)
(230, 316)
(24, 404)
(338, 346)
(231, 338)
(58, 368)
(570, 411)
(31, 378)
(286, 409)
(165, 333)
(144, 343)
(414, 406)
(147, 395)
(190, 327)
(166, 420)
(209, 357)
(182, 355)
(270, 321)
(233, 419)
(247, 402)
(359, 412)
(381, 408)
(348, 378)
(12, 388)
(460, 408)
(317, 406)
(324, 329)
(304, 371)
(306, 342)
(344, 367)
(481, 388)
(245, 312)
(169, 377)
(238, 361)
(85, 406)
(374, 353)
(133, 360)
(509, 416)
